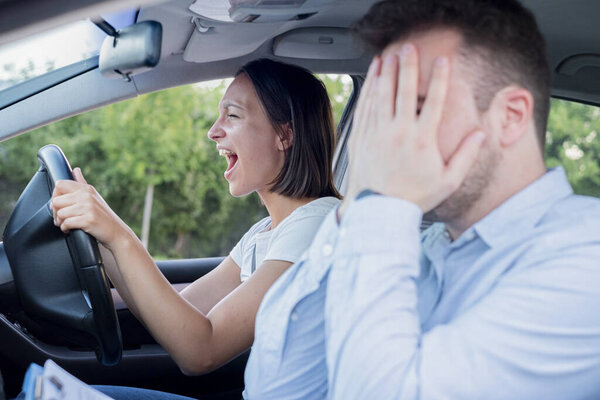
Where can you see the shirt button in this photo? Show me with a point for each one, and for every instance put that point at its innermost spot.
(342, 232)
(294, 317)
(327, 250)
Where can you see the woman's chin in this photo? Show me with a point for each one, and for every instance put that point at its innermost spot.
(236, 191)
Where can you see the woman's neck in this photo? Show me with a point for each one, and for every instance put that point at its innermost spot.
(279, 206)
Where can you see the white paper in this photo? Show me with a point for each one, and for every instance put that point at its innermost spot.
(59, 384)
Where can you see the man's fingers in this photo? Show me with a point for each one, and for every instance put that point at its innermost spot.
(432, 111)
(406, 99)
(386, 88)
(367, 88)
(363, 106)
(463, 159)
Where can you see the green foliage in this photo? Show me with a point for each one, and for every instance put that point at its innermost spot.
(339, 88)
(571, 141)
(159, 139)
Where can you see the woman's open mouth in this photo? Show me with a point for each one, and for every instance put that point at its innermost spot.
(231, 161)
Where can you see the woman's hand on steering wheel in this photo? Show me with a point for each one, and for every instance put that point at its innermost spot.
(77, 205)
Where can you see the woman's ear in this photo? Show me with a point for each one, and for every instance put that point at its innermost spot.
(286, 140)
(515, 111)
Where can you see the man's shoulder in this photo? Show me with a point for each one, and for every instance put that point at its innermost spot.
(574, 213)
(571, 227)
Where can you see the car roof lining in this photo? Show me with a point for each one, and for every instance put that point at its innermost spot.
(570, 28)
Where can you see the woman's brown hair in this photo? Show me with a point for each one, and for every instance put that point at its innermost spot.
(292, 96)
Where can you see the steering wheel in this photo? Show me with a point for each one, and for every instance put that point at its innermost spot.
(60, 277)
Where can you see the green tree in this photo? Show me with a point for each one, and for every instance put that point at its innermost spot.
(571, 141)
(153, 141)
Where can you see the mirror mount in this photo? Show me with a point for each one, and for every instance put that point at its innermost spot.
(131, 50)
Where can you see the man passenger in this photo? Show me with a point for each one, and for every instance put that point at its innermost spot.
(500, 299)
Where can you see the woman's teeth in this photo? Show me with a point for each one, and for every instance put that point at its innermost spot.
(231, 160)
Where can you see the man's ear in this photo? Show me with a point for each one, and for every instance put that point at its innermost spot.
(287, 138)
(514, 110)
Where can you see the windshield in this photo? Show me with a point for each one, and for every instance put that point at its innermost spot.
(56, 48)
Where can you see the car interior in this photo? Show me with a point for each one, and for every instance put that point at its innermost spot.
(174, 43)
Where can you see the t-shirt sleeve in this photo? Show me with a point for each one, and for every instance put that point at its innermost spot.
(237, 253)
(293, 238)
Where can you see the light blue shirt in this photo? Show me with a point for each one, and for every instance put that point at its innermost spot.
(509, 310)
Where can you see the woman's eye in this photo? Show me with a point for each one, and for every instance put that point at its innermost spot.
(232, 116)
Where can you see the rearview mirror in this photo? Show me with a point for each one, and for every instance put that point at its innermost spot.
(135, 49)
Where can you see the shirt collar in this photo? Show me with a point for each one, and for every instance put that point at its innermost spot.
(524, 209)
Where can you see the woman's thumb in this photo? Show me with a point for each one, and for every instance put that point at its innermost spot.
(78, 175)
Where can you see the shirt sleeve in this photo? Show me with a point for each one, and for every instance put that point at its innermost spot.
(237, 253)
(293, 238)
(535, 335)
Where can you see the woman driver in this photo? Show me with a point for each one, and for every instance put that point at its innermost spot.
(275, 127)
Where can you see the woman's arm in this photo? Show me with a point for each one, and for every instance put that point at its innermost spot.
(207, 291)
(197, 342)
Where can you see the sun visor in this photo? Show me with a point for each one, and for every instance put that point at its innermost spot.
(317, 43)
(258, 11)
(215, 41)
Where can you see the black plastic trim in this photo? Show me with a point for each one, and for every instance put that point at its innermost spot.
(571, 99)
(6, 275)
(33, 86)
(187, 270)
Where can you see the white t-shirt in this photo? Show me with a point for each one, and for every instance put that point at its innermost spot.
(286, 242)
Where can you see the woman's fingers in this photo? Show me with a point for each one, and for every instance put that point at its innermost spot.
(72, 198)
(75, 222)
(65, 186)
(78, 175)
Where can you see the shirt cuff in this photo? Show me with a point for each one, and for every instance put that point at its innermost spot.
(379, 224)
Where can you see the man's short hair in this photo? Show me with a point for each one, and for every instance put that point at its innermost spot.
(500, 37)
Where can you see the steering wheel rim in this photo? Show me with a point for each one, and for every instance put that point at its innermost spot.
(83, 303)
(88, 265)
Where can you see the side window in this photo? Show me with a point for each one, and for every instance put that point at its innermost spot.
(152, 153)
(572, 141)
(339, 88)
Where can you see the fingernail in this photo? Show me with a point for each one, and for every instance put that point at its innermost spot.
(374, 64)
(55, 223)
(441, 61)
(479, 136)
(389, 59)
(407, 49)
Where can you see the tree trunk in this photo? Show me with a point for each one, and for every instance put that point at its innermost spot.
(147, 214)
(181, 243)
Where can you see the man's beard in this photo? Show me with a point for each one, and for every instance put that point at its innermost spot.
(470, 191)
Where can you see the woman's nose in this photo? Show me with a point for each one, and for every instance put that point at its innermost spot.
(216, 132)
